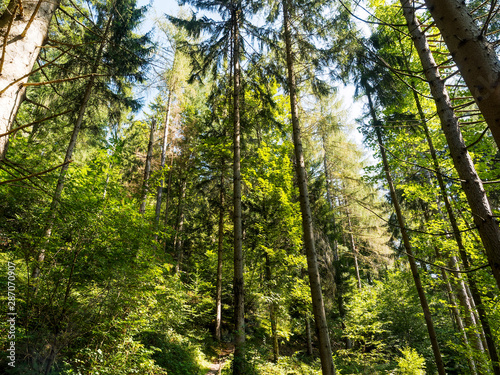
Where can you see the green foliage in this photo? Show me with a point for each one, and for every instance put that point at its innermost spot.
(383, 319)
(411, 363)
(258, 364)
(175, 353)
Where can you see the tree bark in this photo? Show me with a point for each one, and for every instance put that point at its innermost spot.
(471, 183)
(325, 350)
(337, 265)
(220, 247)
(457, 317)
(474, 55)
(180, 226)
(169, 185)
(238, 285)
(20, 56)
(147, 168)
(353, 248)
(463, 297)
(406, 241)
(308, 337)
(272, 312)
(162, 162)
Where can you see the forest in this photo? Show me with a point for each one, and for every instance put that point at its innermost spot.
(184, 194)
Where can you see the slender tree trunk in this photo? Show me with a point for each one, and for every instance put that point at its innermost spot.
(408, 248)
(325, 350)
(471, 183)
(239, 304)
(106, 184)
(162, 161)
(169, 184)
(337, 265)
(461, 288)
(147, 168)
(308, 337)
(330, 200)
(180, 226)
(474, 55)
(453, 305)
(69, 152)
(220, 247)
(272, 313)
(20, 54)
(353, 247)
(456, 314)
(476, 316)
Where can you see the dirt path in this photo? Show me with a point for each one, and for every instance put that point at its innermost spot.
(216, 368)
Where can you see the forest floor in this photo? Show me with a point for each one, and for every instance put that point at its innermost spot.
(216, 367)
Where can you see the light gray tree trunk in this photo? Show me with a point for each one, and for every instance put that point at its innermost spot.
(147, 168)
(20, 56)
(308, 337)
(180, 226)
(220, 248)
(474, 55)
(353, 247)
(162, 161)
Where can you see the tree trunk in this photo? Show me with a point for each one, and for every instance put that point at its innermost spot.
(476, 315)
(169, 184)
(308, 337)
(239, 304)
(353, 247)
(272, 312)
(147, 168)
(337, 265)
(162, 162)
(458, 319)
(325, 350)
(470, 319)
(180, 226)
(471, 183)
(106, 184)
(407, 245)
(20, 56)
(220, 247)
(474, 55)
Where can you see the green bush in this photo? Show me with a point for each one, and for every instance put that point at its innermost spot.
(411, 363)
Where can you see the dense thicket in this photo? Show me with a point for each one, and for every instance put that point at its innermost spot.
(229, 221)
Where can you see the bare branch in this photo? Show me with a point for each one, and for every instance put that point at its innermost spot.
(35, 122)
(33, 71)
(6, 37)
(33, 15)
(35, 174)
